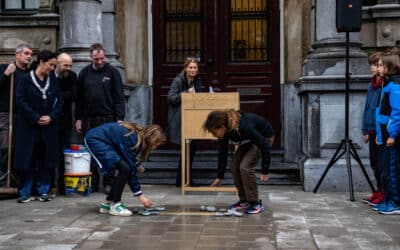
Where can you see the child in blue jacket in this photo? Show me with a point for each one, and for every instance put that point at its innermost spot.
(115, 146)
(369, 123)
(388, 129)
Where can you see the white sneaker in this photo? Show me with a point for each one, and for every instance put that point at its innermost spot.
(119, 209)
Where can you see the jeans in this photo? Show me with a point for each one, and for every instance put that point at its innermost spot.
(27, 178)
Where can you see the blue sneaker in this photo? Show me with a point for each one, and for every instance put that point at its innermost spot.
(389, 208)
(377, 206)
(255, 208)
(239, 205)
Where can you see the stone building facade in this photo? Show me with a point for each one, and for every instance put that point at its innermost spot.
(311, 72)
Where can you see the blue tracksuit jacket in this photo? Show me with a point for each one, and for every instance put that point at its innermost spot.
(108, 144)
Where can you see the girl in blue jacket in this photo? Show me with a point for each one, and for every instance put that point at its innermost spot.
(116, 146)
(388, 129)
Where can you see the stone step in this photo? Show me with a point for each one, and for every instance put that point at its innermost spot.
(161, 168)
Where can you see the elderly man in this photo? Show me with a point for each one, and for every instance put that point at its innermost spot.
(67, 81)
(100, 99)
(19, 68)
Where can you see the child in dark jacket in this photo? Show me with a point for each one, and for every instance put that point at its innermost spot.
(388, 129)
(115, 146)
(369, 123)
(253, 136)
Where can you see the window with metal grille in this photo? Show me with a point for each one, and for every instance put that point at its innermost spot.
(19, 7)
(183, 34)
(248, 34)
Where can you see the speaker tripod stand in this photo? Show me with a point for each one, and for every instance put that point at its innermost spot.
(346, 146)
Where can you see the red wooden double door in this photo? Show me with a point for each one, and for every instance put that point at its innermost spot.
(236, 43)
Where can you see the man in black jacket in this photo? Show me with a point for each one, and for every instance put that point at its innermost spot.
(23, 55)
(67, 82)
(100, 99)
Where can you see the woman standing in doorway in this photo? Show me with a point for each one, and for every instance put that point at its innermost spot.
(188, 81)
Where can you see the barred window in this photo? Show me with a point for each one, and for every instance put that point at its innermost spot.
(19, 7)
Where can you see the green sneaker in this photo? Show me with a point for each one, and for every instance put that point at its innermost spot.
(105, 207)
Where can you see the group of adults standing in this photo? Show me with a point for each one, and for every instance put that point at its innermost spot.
(45, 91)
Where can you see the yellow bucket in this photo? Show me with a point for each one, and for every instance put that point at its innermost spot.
(78, 183)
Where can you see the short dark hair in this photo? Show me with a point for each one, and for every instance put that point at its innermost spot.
(392, 64)
(97, 47)
(374, 58)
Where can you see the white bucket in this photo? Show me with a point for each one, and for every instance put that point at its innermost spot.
(76, 161)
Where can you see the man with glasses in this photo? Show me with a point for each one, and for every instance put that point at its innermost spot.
(19, 68)
(67, 82)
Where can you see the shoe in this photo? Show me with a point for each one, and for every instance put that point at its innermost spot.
(119, 209)
(255, 208)
(377, 199)
(377, 206)
(239, 205)
(105, 207)
(44, 198)
(390, 208)
(24, 199)
(370, 198)
(53, 193)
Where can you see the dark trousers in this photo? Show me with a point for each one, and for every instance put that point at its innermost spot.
(58, 174)
(121, 171)
(193, 148)
(87, 124)
(243, 168)
(374, 160)
(390, 171)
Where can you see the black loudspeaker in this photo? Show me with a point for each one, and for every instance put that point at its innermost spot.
(348, 15)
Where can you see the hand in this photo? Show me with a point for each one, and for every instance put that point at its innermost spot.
(264, 177)
(120, 121)
(365, 138)
(10, 69)
(390, 142)
(146, 202)
(191, 90)
(44, 120)
(78, 126)
(216, 183)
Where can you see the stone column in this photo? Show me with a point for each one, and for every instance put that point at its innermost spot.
(109, 35)
(80, 27)
(321, 89)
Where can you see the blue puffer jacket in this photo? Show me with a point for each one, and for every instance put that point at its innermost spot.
(384, 109)
(393, 127)
(108, 144)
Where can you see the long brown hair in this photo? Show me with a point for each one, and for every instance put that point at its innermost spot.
(148, 137)
(218, 118)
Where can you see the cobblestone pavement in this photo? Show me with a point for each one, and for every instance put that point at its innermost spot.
(293, 220)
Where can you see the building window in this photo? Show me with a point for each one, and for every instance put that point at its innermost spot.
(19, 7)
(249, 29)
(183, 30)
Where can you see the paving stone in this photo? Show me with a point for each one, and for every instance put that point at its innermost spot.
(293, 220)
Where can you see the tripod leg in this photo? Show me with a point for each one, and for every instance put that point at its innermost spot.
(333, 160)
(349, 173)
(357, 158)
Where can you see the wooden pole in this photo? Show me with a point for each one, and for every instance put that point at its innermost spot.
(10, 130)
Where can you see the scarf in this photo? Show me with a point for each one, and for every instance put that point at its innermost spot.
(376, 83)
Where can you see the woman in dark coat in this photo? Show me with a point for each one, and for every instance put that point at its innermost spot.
(39, 106)
(187, 81)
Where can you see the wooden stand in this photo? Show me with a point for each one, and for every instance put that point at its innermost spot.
(195, 109)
